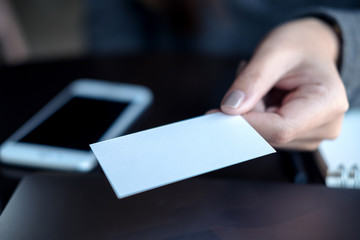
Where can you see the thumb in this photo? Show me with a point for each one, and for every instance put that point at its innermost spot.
(253, 83)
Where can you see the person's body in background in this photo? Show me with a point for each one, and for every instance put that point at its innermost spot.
(301, 59)
(13, 48)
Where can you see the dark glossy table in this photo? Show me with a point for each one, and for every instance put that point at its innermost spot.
(71, 206)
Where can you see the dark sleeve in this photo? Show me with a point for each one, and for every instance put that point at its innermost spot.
(348, 22)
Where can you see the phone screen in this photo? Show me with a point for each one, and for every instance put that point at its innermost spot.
(78, 123)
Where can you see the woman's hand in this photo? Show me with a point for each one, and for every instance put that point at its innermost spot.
(291, 91)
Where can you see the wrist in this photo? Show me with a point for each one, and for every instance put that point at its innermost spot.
(335, 29)
(327, 35)
(305, 38)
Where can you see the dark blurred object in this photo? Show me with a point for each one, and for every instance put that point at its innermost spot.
(181, 15)
(202, 27)
(211, 27)
(52, 29)
(12, 42)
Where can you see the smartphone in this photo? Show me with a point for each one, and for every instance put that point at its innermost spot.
(86, 111)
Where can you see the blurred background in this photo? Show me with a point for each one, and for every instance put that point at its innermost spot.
(42, 29)
(45, 29)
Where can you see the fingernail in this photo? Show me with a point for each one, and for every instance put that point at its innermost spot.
(234, 99)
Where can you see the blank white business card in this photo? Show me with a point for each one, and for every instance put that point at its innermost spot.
(149, 159)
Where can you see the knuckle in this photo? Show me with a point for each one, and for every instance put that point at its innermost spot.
(344, 106)
(319, 90)
(283, 135)
(334, 129)
(254, 77)
(341, 106)
(335, 132)
(341, 96)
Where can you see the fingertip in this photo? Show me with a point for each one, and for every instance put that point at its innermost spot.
(212, 111)
(230, 111)
(232, 101)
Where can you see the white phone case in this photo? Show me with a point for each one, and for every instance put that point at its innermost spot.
(14, 152)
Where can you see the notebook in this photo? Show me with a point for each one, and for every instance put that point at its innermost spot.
(339, 159)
